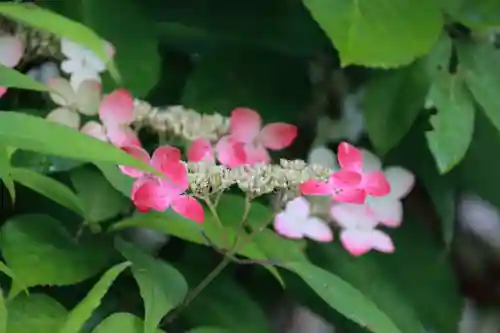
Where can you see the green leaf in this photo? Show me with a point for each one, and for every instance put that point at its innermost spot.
(132, 33)
(40, 251)
(11, 78)
(82, 312)
(6, 172)
(36, 134)
(44, 19)
(123, 323)
(479, 14)
(208, 330)
(438, 59)
(35, 313)
(481, 66)
(3, 314)
(275, 86)
(346, 299)
(162, 286)
(116, 178)
(389, 280)
(386, 33)
(453, 125)
(100, 199)
(392, 102)
(210, 306)
(50, 188)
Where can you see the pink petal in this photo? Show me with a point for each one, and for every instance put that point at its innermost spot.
(200, 150)
(95, 129)
(230, 153)
(387, 210)
(356, 242)
(315, 187)
(375, 183)
(244, 124)
(350, 157)
(349, 195)
(401, 180)
(188, 207)
(287, 227)
(345, 179)
(380, 241)
(3, 90)
(298, 207)
(117, 108)
(277, 136)
(139, 154)
(316, 229)
(165, 155)
(256, 154)
(147, 194)
(11, 51)
(176, 175)
(352, 216)
(122, 136)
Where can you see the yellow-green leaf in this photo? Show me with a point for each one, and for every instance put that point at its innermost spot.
(11, 78)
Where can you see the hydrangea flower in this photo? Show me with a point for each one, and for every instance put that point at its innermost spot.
(295, 222)
(11, 52)
(353, 182)
(358, 234)
(159, 193)
(201, 150)
(115, 111)
(82, 64)
(248, 143)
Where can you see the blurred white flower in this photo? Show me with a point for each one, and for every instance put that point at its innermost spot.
(44, 72)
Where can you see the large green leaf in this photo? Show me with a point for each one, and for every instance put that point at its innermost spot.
(479, 14)
(11, 78)
(50, 188)
(123, 323)
(132, 33)
(40, 251)
(481, 66)
(275, 86)
(6, 172)
(36, 134)
(100, 199)
(34, 313)
(392, 102)
(162, 287)
(453, 125)
(3, 314)
(389, 280)
(59, 25)
(82, 312)
(116, 178)
(386, 33)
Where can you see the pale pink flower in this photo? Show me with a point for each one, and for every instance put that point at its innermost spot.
(246, 136)
(201, 150)
(358, 234)
(295, 222)
(388, 209)
(159, 193)
(11, 52)
(352, 183)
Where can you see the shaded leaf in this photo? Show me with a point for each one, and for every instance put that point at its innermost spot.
(481, 65)
(100, 199)
(40, 251)
(116, 178)
(208, 330)
(50, 188)
(36, 134)
(162, 287)
(82, 312)
(453, 125)
(35, 313)
(387, 33)
(392, 102)
(123, 323)
(479, 14)
(3, 314)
